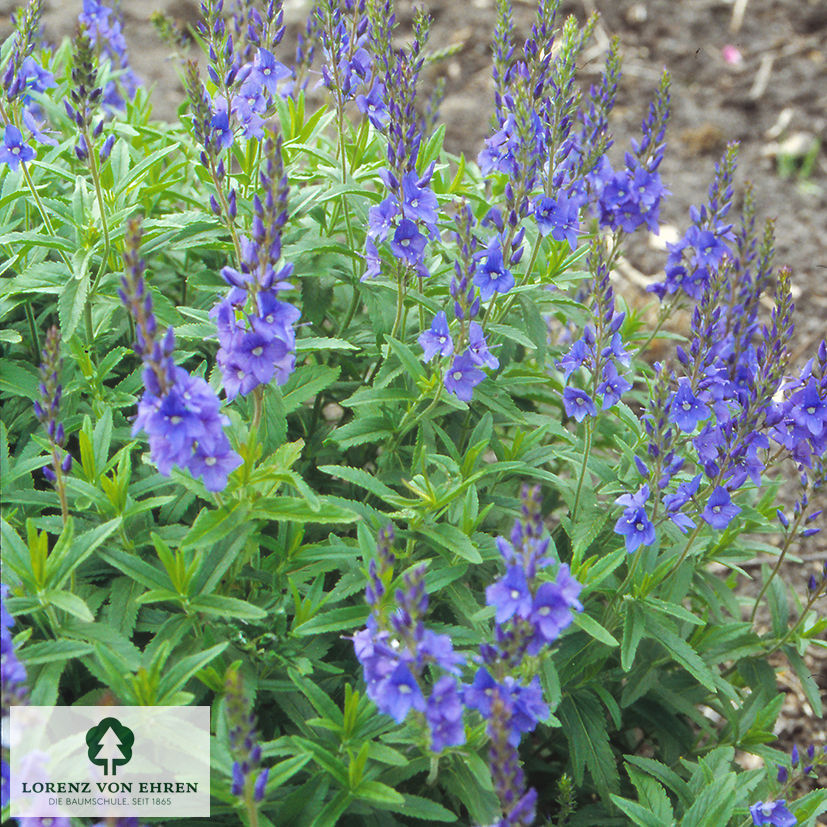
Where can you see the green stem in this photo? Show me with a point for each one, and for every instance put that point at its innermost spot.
(32, 329)
(784, 549)
(586, 452)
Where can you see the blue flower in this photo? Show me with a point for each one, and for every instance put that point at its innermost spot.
(492, 276)
(267, 71)
(14, 149)
(560, 217)
(613, 386)
(478, 348)
(578, 404)
(373, 105)
(443, 713)
(420, 202)
(400, 693)
(463, 376)
(720, 510)
(480, 692)
(510, 595)
(437, 340)
(408, 243)
(686, 410)
(634, 524)
(380, 218)
(808, 409)
(772, 812)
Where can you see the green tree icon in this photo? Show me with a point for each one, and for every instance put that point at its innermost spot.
(110, 744)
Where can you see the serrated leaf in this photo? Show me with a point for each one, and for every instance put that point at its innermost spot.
(453, 539)
(334, 620)
(362, 479)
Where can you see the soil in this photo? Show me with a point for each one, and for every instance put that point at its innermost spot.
(753, 72)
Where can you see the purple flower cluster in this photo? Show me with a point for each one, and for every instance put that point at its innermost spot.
(631, 196)
(702, 249)
(470, 353)
(46, 409)
(106, 36)
(530, 613)
(248, 78)
(248, 779)
(180, 413)
(255, 329)
(600, 350)
(23, 77)
(396, 647)
(729, 394)
(407, 218)
(348, 63)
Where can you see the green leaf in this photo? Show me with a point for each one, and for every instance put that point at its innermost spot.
(71, 303)
(222, 606)
(378, 793)
(808, 682)
(633, 631)
(364, 480)
(585, 728)
(453, 539)
(19, 379)
(591, 627)
(68, 602)
(681, 652)
(405, 355)
(639, 814)
(176, 677)
(47, 651)
(298, 510)
(304, 383)
(335, 620)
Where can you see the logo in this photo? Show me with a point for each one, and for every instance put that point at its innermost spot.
(108, 761)
(110, 745)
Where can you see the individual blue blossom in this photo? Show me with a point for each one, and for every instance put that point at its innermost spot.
(578, 404)
(419, 201)
(463, 376)
(478, 347)
(560, 217)
(436, 341)
(552, 607)
(675, 502)
(491, 275)
(267, 72)
(444, 714)
(686, 410)
(634, 524)
(720, 510)
(808, 409)
(14, 150)
(372, 104)
(381, 217)
(613, 386)
(408, 243)
(510, 595)
(401, 693)
(774, 813)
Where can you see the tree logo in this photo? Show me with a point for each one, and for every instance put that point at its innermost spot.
(110, 745)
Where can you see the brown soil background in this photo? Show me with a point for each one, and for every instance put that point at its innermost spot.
(773, 102)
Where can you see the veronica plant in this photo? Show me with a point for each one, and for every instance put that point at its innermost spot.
(361, 442)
